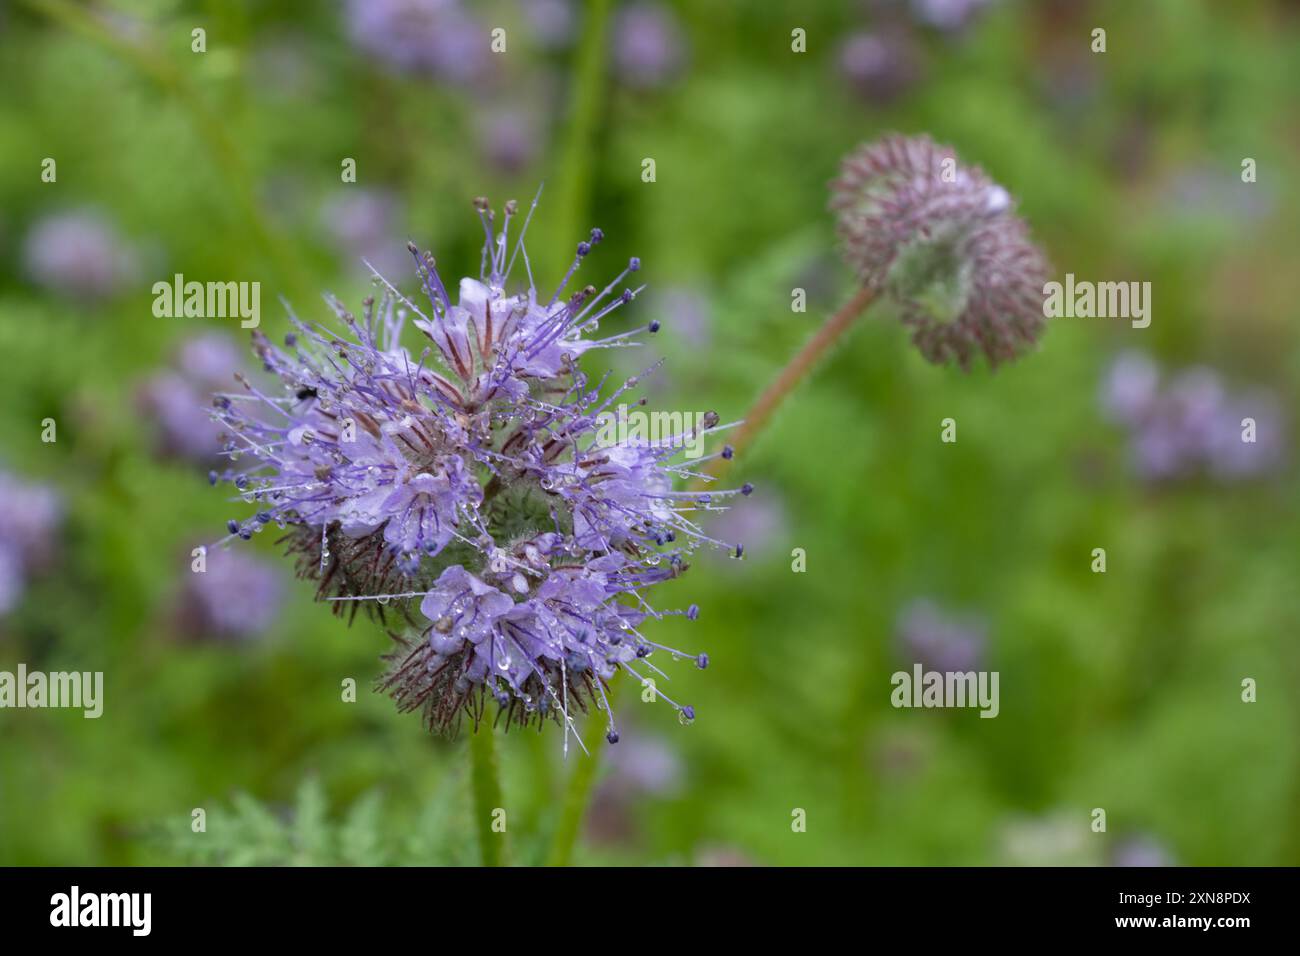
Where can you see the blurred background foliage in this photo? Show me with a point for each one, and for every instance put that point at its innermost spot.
(1118, 690)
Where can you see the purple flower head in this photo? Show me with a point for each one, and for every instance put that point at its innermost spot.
(469, 489)
(1193, 425)
(79, 255)
(236, 598)
(941, 241)
(434, 37)
(938, 641)
(648, 48)
(178, 399)
(30, 515)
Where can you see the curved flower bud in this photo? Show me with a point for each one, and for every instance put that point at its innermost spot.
(942, 242)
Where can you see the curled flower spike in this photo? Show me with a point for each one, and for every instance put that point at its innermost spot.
(470, 490)
(941, 240)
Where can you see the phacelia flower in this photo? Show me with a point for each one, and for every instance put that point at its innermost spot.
(234, 599)
(1192, 425)
(879, 67)
(178, 399)
(29, 517)
(78, 254)
(468, 490)
(648, 49)
(941, 241)
(938, 641)
(435, 37)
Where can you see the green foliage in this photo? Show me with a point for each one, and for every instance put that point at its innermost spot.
(249, 833)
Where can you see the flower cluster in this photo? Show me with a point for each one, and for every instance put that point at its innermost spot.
(1192, 424)
(941, 241)
(466, 488)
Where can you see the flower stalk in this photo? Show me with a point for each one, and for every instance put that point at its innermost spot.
(795, 371)
(485, 786)
(577, 794)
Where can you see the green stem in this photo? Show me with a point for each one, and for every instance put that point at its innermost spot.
(578, 792)
(485, 784)
(577, 155)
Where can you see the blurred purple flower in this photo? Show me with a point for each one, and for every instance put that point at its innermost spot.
(1141, 851)
(179, 400)
(1231, 457)
(646, 765)
(1204, 191)
(687, 312)
(761, 527)
(639, 766)
(78, 254)
(1130, 387)
(948, 15)
(552, 22)
(648, 47)
(939, 641)
(30, 515)
(1193, 425)
(508, 139)
(363, 222)
(434, 37)
(879, 67)
(236, 599)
